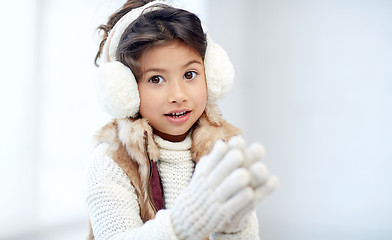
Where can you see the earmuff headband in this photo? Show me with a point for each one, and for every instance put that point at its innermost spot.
(117, 87)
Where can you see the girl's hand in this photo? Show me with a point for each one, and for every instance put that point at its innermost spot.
(219, 189)
(262, 183)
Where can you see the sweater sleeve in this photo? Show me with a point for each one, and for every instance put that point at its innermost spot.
(113, 205)
(250, 232)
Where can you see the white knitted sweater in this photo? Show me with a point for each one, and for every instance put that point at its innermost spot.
(112, 200)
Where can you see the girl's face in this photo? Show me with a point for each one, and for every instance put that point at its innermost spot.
(172, 88)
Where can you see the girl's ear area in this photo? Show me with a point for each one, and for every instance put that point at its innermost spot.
(218, 69)
(117, 90)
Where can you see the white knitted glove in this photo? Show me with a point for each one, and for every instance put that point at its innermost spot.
(218, 189)
(261, 182)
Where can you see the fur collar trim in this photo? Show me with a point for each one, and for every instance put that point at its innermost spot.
(132, 147)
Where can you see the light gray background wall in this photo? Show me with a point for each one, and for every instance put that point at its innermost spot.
(314, 84)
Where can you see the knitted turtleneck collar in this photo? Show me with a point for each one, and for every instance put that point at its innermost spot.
(174, 146)
(128, 138)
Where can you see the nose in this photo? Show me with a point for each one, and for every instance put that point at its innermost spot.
(177, 92)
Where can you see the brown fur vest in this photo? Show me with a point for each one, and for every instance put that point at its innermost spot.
(133, 148)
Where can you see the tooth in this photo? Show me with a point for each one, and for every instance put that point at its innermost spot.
(178, 114)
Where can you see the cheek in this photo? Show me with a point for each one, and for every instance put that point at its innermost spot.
(201, 97)
(147, 102)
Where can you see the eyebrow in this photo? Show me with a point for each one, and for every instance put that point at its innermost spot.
(163, 70)
(154, 70)
(192, 62)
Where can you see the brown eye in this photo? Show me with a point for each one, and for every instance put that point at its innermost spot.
(156, 79)
(190, 75)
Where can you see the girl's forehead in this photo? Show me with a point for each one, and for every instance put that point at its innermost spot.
(165, 54)
(175, 44)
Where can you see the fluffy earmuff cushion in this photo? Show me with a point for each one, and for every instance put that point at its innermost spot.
(219, 71)
(117, 87)
(117, 90)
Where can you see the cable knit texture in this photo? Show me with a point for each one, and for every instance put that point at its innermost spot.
(113, 205)
(249, 232)
(175, 166)
(112, 201)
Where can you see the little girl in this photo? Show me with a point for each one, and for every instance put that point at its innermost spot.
(168, 166)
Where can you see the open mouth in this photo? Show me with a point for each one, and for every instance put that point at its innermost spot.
(177, 114)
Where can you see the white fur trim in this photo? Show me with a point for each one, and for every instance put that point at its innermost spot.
(123, 23)
(118, 91)
(219, 71)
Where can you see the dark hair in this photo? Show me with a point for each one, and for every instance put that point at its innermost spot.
(153, 28)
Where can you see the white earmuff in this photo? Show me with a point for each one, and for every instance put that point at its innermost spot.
(117, 87)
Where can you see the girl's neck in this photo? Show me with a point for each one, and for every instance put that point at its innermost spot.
(171, 138)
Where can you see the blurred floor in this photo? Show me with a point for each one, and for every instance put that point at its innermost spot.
(73, 231)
